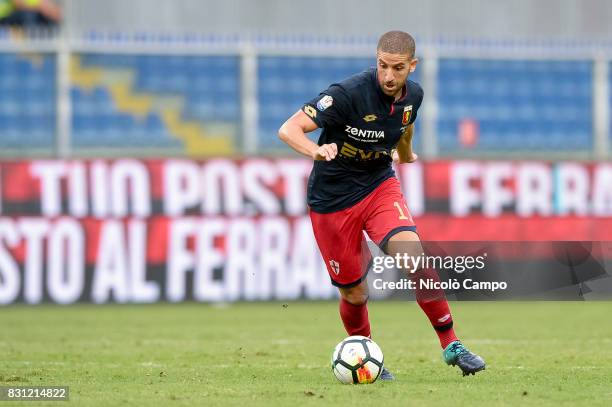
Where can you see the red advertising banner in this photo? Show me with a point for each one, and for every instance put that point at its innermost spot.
(220, 230)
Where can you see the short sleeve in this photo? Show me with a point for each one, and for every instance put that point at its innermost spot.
(330, 108)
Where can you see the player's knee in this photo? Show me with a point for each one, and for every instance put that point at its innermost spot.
(405, 236)
(356, 299)
(404, 242)
(355, 295)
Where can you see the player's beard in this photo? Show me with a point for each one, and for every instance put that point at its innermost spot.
(391, 88)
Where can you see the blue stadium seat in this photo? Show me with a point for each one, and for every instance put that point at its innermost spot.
(27, 101)
(96, 123)
(519, 104)
(209, 84)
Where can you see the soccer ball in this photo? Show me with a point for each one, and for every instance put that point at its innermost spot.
(356, 360)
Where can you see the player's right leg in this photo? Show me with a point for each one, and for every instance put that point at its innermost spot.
(353, 315)
(340, 239)
(339, 236)
(354, 309)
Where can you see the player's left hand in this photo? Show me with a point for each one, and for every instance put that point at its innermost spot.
(326, 152)
(396, 158)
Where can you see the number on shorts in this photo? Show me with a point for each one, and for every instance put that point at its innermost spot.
(402, 215)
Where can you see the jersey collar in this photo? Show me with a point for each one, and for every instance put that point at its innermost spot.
(386, 98)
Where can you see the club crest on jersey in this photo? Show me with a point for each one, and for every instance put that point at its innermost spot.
(325, 102)
(369, 118)
(406, 115)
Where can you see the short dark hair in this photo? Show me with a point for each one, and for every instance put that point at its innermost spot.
(397, 42)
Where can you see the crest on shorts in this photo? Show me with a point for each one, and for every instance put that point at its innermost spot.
(406, 115)
(335, 266)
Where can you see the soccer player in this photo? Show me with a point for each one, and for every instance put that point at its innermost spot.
(352, 186)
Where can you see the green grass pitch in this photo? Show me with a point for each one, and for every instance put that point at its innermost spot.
(275, 354)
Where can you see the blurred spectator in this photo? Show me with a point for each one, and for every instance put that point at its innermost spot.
(468, 133)
(30, 13)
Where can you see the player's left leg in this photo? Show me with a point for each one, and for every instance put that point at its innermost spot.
(432, 301)
(434, 304)
(391, 226)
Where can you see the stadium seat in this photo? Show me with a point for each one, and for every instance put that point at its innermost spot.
(96, 123)
(519, 104)
(27, 101)
(209, 86)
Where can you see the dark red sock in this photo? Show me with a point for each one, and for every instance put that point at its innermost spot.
(355, 318)
(433, 302)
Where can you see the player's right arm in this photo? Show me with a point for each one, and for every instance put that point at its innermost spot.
(293, 132)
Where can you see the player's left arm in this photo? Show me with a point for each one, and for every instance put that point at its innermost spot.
(403, 154)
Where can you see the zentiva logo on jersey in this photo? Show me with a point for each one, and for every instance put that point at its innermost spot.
(364, 135)
(406, 115)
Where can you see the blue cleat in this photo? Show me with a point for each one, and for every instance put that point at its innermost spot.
(457, 354)
(386, 375)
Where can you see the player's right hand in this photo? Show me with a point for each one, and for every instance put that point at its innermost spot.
(325, 152)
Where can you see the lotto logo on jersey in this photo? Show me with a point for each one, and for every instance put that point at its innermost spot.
(325, 102)
(310, 111)
(406, 115)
